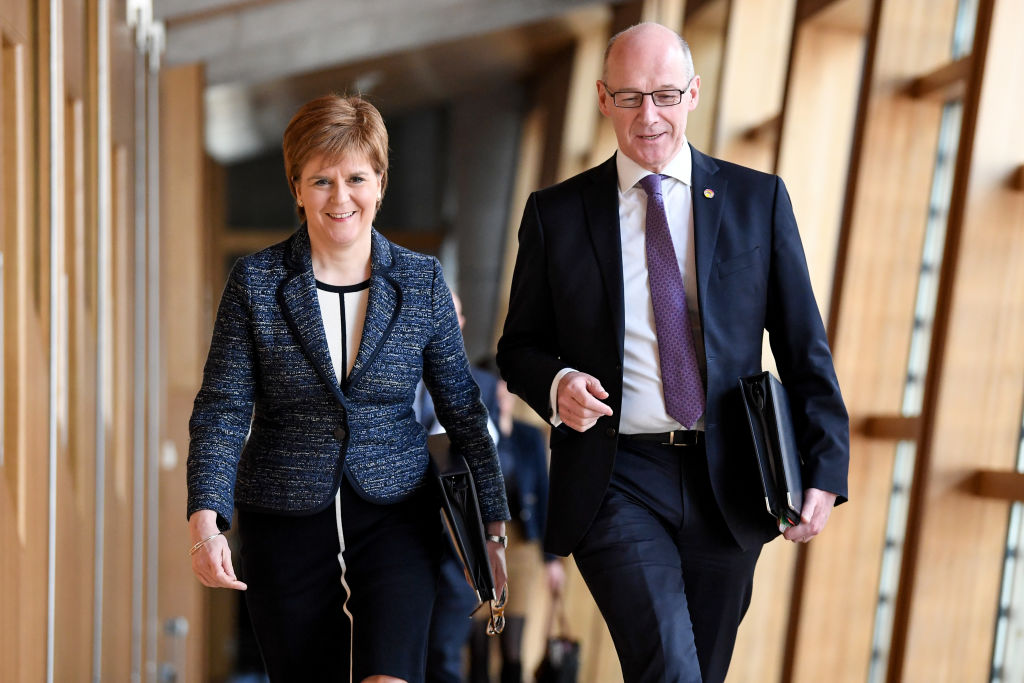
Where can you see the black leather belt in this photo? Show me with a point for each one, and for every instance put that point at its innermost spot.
(680, 437)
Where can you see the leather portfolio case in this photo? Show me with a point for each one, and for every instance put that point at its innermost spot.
(460, 509)
(775, 449)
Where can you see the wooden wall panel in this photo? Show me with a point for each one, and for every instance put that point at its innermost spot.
(16, 15)
(582, 114)
(753, 81)
(705, 30)
(25, 529)
(184, 230)
(77, 432)
(896, 153)
(117, 561)
(812, 160)
(761, 639)
(24, 477)
(816, 134)
(978, 411)
(22, 527)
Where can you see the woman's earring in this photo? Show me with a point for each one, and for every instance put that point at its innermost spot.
(300, 203)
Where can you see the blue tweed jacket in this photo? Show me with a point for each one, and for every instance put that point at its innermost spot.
(269, 367)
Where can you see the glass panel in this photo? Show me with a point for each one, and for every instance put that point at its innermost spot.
(1008, 648)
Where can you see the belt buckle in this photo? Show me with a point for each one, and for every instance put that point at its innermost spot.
(672, 440)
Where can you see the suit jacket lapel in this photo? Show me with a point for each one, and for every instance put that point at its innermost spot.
(707, 216)
(297, 297)
(601, 205)
(382, 308)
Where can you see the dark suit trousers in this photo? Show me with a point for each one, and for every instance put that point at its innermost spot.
(669, 580)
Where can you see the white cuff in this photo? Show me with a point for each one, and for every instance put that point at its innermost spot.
(555, 420)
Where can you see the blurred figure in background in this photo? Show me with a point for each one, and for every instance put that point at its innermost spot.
(455, 600)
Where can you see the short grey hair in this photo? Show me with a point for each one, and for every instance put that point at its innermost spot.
(687, 57)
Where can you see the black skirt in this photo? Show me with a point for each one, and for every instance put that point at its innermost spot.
(323, 616)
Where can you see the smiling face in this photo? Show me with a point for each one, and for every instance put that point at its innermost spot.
(340, 201)
(645, 59)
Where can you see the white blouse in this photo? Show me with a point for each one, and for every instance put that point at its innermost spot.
(343, 309)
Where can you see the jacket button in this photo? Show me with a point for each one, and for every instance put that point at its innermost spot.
(340, 433)
(610, 432)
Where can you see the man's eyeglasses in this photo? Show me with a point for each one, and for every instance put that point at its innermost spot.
(631, 99)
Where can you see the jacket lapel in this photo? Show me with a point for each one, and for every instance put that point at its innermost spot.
(707, 216)
(601, 205)
(382, 307)
(297, 297)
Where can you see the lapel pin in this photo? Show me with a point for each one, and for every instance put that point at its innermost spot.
(708, 192)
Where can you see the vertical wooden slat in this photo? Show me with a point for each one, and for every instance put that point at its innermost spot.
(23, 484)
(184, 308)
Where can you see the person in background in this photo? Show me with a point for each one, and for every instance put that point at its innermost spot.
(641, 294)
(450, 623)
(304, 422)
(524, 465)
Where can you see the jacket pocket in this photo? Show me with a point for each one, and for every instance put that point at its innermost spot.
(739, 262)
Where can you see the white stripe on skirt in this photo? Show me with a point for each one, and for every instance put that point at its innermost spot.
(344, 584)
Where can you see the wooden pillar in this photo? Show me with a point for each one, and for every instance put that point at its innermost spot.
(186, 312)
(23, 475)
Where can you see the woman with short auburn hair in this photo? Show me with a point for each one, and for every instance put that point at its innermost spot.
(304, 422)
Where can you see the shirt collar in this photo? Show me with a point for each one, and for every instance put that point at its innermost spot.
(630, 172)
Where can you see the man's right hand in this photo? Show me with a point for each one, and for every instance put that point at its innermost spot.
(580, 399)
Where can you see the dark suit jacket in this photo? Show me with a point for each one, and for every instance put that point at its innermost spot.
(566, 310)
(269, 366)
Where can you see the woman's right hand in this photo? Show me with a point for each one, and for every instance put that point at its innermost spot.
(211, 562)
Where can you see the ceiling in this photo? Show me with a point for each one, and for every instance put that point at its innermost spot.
(263, 58)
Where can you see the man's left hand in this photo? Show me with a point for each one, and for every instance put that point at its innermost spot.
(817, 507)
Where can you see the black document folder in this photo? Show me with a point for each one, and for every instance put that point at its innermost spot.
(778, 460)
(460, 509)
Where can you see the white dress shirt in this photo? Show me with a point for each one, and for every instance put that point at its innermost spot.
(643, 400)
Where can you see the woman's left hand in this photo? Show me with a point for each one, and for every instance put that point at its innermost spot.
(496, 554)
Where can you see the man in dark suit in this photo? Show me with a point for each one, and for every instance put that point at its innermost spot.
(641, 293)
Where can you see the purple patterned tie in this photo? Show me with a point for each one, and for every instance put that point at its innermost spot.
(680, 376)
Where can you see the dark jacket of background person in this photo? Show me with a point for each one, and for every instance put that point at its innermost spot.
(485, 379)
(269, 365)
(567, 310)
(524, 463)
